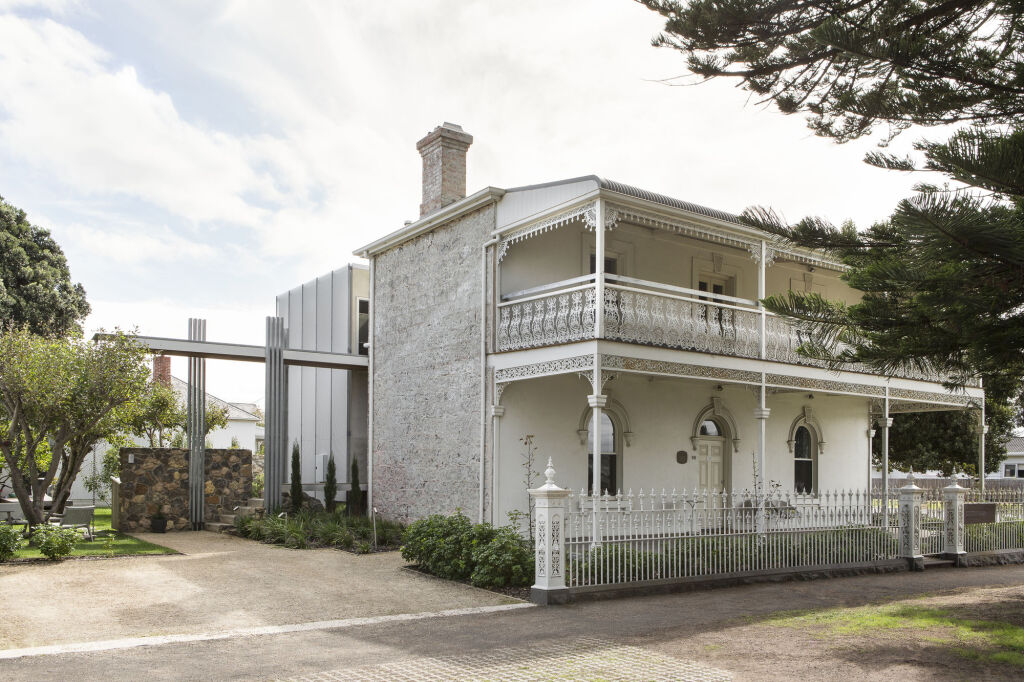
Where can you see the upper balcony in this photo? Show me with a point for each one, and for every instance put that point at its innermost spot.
(640, 279)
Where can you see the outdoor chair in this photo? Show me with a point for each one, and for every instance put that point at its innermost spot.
(76, 517)
(11, 514)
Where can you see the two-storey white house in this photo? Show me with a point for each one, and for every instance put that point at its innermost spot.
(620, 329)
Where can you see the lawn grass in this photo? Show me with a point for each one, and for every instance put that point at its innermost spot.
(983, 640)
(108, 542)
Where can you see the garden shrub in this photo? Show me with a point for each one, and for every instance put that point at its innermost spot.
(310, 529)
(55, 543)
(10, 542)
(507, 560)
(452, 547)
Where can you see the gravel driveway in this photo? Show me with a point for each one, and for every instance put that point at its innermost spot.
(218, 582)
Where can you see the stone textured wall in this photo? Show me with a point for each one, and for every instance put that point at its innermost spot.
(426, 393)
(158, 481)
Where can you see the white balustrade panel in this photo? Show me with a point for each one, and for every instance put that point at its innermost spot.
(678, 322)
(547, 320)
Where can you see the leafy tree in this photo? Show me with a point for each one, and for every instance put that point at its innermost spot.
(943, 278)
(35, 282)
(331, 485)
(67, 394)
(295, 492)
(852, 64)
(159, 415)
(158, 411)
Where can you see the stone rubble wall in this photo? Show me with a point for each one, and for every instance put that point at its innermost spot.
(426, 392)
(157, 480)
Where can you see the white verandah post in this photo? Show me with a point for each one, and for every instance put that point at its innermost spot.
(761, 413)
(981, 446)
(597, 403)
(886, 423)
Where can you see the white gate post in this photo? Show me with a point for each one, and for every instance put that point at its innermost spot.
(910, 524)
(549, 551)
(953, 501)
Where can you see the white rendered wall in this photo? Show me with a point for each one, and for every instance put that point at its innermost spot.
(661, 414)
(657, 256)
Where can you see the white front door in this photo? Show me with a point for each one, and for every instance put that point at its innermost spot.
(711, 462)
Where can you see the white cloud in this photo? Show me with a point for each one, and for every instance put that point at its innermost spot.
(132, 247)
(67, 108)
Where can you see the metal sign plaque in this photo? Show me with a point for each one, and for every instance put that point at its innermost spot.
(980, 512)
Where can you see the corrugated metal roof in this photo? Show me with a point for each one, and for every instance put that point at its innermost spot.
(646, 195)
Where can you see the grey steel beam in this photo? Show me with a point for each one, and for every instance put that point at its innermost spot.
(247, 353)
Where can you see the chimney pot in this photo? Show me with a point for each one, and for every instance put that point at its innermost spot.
(444, 166)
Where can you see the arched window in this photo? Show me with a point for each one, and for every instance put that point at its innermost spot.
(709, 427)
(803, 460)
(609, 455)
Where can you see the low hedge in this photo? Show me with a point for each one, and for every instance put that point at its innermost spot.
(454, 548)
(308, 529)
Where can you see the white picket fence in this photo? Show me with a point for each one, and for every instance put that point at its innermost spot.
(668, 535)
(1007, 531)
(587, 542)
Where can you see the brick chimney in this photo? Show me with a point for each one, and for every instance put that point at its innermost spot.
(162, 369)
(444, 166)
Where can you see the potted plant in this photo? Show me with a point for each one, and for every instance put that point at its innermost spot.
(158, 522)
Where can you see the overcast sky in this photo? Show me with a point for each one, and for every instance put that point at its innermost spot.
(198, 158)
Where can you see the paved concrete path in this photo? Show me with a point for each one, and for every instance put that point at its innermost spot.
(650, 637)
(219, 583)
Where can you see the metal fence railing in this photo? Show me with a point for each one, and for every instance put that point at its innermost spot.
(657, 536)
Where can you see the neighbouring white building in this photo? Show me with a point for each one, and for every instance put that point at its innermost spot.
(545, 309)
(1013, 465)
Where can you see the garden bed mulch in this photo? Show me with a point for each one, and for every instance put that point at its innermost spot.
(520, 593)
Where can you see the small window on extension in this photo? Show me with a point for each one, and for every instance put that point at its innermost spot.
(364, 326)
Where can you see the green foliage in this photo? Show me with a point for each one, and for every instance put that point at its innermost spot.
(234, 443)
(10, 541)
(454, 548)
(55, 543)
(68, 393)
(307, 529)
(331, 485)
(158, 410)
(355, 493)
(35, 283)
(992, 536)
(507, 560)
(295, 493)
(257, 484)
(852, 64)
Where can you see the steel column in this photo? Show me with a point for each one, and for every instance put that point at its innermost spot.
(196, 428)
(275, 418)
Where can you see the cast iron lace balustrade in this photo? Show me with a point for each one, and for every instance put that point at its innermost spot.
(648, 313)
